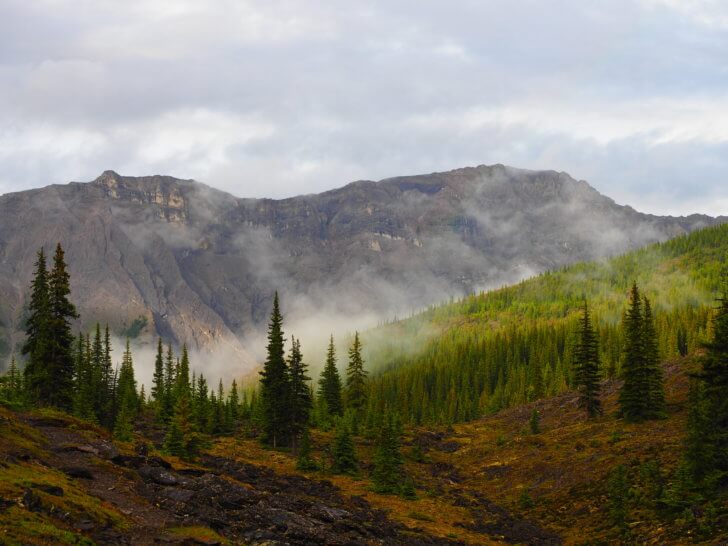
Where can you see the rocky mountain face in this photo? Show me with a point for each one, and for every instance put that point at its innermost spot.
(162, 256)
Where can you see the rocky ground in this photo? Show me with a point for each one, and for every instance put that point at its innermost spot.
(166, 501)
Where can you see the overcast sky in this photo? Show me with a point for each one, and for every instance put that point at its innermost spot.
(276, 98)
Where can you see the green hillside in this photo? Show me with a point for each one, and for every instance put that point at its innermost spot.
(486, 352)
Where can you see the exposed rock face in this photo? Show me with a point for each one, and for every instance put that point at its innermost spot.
(182, 260)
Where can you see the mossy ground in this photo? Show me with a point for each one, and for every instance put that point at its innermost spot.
(201, 535)
(563, 470)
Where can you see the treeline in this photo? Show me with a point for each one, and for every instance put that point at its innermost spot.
(459, 361)
(76, 374)
(518, 344)
(472, 370)
(288, 407)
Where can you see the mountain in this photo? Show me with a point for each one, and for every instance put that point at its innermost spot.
(163, 256)
(503, 348)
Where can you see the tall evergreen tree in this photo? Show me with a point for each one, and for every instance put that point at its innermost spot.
(11, 384)
(275, 383)
(180, 439)
(108, 382)
(84, 396)
(202, 404)
(128, 401)
(60, 354)
(37, 329)
(652, 368)
(300, 400)
(170, 379)
(356, 394)
(182, 386)
(714, 375)
(388, 473)
(633, 398)
(15, 381)
(158, 380)
(219, 408)
(234, 404)
(343, 452)
(330, 383)
(699, 451)
(586, 366)
(96, 369)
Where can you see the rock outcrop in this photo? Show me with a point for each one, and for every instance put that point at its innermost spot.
(162, 256)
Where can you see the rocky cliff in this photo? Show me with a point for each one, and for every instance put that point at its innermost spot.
(158, 255)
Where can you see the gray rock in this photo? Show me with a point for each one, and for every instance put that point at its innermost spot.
(158, 475)
(161, 256)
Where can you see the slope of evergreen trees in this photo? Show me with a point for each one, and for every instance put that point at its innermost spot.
(706, 454)
(478, 355)
(458, 361)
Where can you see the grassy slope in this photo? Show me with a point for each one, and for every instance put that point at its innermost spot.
(564, 468)
(29, 463)
(685, 271)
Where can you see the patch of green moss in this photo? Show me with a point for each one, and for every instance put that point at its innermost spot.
(19, 527)
(15, 478)
(201, 533)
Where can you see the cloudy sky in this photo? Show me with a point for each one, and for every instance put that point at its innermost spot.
(275, 98)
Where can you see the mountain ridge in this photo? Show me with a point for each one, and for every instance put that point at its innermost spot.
(198, 265)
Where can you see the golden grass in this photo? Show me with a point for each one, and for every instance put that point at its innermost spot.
(563, 469)
(204, 534)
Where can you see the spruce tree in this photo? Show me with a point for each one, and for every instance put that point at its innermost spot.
(158, 384)
(170, 379)
(305, 461)
(618, 497)
(633, 397)
(682, 341)
(714, 375)
(60, 354)
(356, 395)
(174, 441)
(37, 329)
(534, 422)
(699, 455)
(15, 381)
(108, 382)
(181, 440)
(96, 366)
(586, 366)
(219, 409)
(344, 459)
(127, 399)
(83, 405)
(300, 400)
(182, 384)
(202, 405)
(234, 404)
(330, 383)
(388, 474)
(652, 368)
(11, 384)
(274, 383)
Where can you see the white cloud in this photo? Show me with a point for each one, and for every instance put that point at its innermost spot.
(283, 97)
(712, 13)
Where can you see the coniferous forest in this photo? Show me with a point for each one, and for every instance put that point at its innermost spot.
(585, 329)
